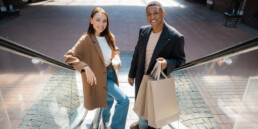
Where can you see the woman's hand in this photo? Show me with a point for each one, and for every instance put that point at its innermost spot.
(119, 66)
(116, 62)
(90, 76)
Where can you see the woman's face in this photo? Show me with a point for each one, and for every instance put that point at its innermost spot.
(99, 22)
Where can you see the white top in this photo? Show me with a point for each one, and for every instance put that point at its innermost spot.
(153, 40)
(106, 50)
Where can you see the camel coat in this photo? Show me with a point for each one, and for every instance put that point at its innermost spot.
(87, 52)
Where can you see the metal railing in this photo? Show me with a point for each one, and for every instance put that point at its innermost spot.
(242, 47)
(18, 49)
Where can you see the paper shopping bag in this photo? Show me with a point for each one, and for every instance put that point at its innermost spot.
(139, 104)
(162, 102)
(161, 107)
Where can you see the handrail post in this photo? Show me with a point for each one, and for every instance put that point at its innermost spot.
(96, 121)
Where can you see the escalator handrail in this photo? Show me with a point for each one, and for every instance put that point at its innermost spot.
(242, 47)
(25, 51)
(236, 49)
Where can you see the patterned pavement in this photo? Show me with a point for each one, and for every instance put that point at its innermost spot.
(52, 28)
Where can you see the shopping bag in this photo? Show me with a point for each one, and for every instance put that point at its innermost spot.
(139, 104)
(161, 107)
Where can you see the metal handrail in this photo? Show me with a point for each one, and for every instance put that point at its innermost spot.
(236, 49)
(16, 48)
(243, 47)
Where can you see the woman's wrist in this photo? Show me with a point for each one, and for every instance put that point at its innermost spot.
(84, 68)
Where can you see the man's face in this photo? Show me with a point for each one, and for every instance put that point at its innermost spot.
(155, 16)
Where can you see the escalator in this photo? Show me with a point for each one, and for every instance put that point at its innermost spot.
(214, 92)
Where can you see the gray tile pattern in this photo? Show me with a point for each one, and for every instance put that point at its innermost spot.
(56, 103)
(194, 112)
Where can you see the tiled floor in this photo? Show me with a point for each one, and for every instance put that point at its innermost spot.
(20, 88)
(230, 91)
(53, 27)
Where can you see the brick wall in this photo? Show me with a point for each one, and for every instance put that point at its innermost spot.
(251, 13)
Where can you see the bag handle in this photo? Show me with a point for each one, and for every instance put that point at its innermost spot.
(156, 71)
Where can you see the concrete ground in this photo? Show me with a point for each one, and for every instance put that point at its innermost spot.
(53, 27)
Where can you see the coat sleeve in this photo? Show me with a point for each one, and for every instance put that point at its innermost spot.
(74, 55)
(179, 58)
(134, 63)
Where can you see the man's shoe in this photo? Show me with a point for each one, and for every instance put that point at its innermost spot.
(135, 125)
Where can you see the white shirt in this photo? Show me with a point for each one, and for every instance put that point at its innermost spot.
(106, 50)
(153, 40)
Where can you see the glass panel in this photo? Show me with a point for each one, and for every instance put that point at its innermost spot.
(248, 111)
(4, 118)
(36, 94)
(217, 94)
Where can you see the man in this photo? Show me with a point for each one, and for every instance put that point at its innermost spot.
(156, 42)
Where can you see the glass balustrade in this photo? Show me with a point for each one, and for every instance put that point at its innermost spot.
(220, 94)
(34, 94)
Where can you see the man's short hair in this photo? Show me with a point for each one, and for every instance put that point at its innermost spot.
(155, 3)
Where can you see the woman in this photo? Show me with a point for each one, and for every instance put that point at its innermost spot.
(92, 56)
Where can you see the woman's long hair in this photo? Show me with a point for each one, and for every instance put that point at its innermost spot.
(108, 35)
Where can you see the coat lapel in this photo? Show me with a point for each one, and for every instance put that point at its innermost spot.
(163, 40)
(97, 47)
(145, 35)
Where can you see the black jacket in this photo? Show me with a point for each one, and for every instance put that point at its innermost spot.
(170, 46)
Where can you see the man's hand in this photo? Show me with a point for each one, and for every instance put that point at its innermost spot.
(90, 76)
(163, 63)
(130, 81)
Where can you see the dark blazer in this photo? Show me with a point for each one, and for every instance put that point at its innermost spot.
(170, 46)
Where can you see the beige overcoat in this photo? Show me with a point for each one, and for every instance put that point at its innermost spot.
(87, 52)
